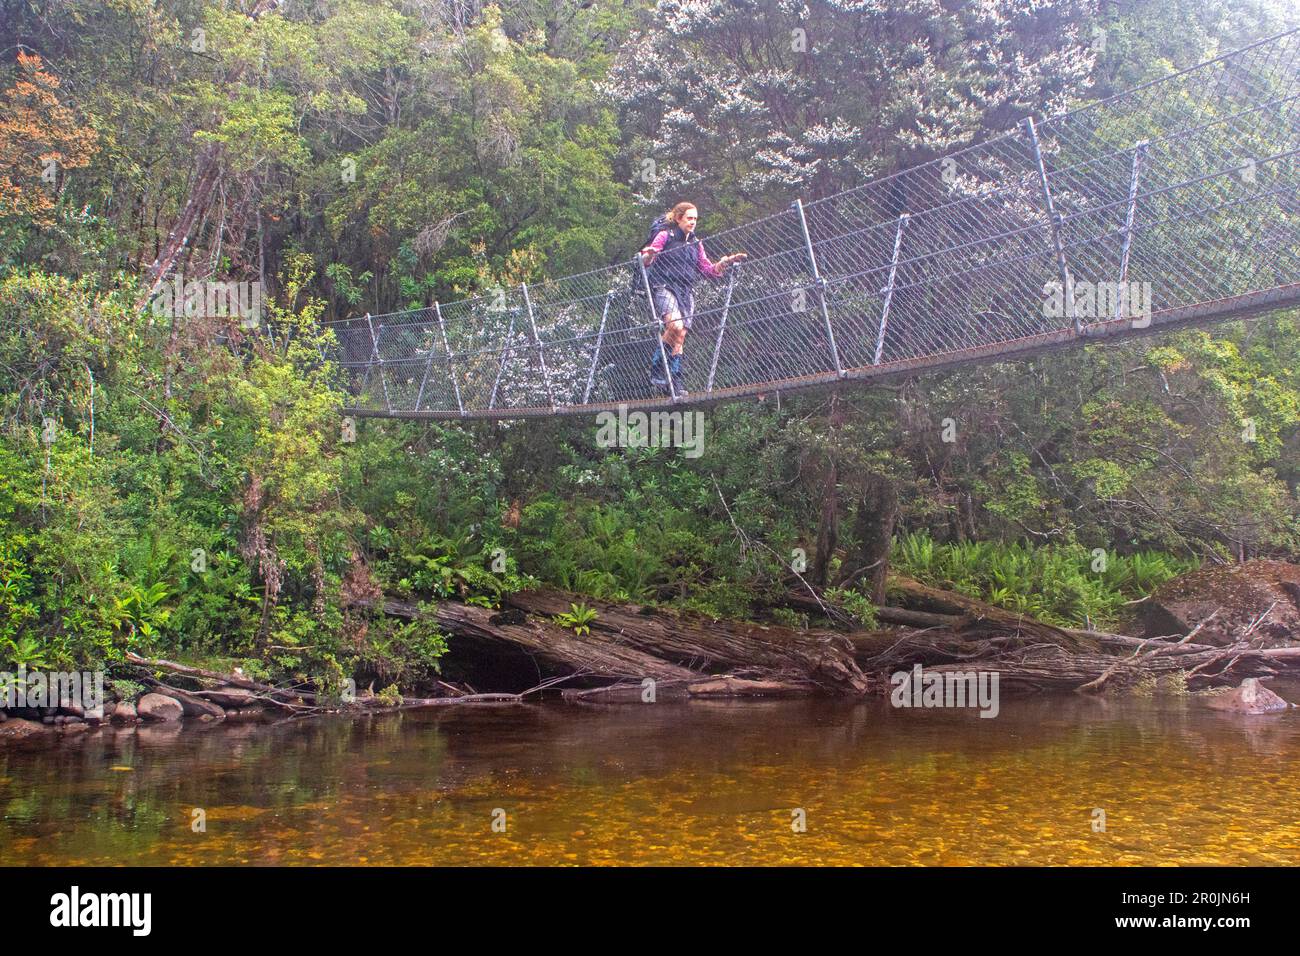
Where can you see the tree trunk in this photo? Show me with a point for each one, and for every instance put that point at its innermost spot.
(874, 529)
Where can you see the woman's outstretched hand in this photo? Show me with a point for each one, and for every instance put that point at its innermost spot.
(734, 257)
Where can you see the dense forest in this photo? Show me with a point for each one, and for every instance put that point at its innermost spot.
(184, 487)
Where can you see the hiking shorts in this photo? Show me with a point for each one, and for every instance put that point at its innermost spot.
(680, 304)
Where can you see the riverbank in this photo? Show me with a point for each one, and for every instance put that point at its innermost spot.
(1214, 632)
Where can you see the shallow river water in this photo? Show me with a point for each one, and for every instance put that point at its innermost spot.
(698, 783)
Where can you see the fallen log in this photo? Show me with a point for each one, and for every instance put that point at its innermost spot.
(550, 644)
(562, 648)
(696, 643)
(898, 615)
(631, 642)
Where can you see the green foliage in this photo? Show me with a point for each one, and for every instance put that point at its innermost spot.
(578, 619)
(1067, 585)
(788, 617)
(858, 606)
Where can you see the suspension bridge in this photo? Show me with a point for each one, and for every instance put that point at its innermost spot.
(1172, 204)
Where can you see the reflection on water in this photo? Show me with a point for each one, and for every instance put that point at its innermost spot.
(699, 783)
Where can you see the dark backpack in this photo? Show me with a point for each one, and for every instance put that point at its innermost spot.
(659, 225)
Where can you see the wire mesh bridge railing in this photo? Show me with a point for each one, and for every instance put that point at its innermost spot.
(1173, 203)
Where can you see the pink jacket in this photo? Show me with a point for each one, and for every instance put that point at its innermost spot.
(707, 267)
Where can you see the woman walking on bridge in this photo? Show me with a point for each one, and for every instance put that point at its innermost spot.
(675, 261)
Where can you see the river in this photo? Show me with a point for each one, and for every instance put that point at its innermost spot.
(697, 783)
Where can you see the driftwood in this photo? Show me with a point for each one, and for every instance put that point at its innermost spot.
(278, 696)
(960, 639)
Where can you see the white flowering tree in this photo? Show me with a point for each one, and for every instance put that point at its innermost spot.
(742, 102)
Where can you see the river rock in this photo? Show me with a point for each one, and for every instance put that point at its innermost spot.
(1251, 697)
(159, 707)
(20, 728)
(125, 712)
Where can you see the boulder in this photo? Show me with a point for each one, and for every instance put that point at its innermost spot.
(20, 728)
(1251, 697)
(1264, 595)
(159, 707)
(124, 712)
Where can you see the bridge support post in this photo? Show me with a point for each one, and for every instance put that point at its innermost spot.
(1062, 268)
(821, 286)
(658, 323)
(1139, 151)
(722, 327)
(378, 359)
(505, 350)
(595, 358)
(537, 340)
(888, 291)
(451, 359)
